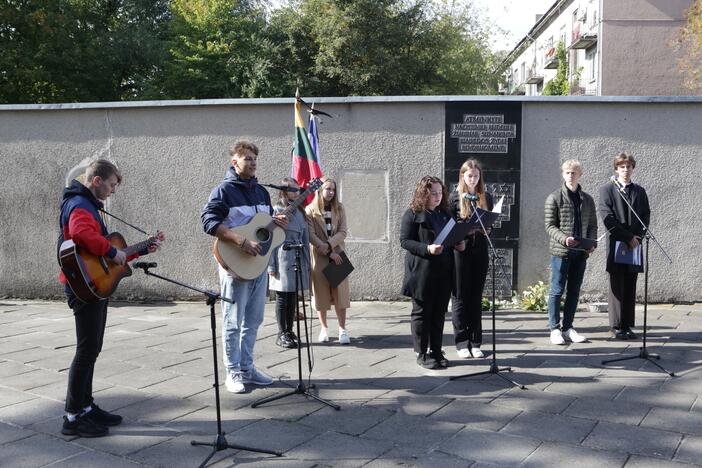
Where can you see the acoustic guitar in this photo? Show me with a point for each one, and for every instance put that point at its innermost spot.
(94, 278)
(263, 230)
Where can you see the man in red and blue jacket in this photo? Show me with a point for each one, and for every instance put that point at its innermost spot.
(81, 222)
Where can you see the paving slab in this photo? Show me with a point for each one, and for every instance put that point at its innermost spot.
(490, 447)
(37, 450)
(573, 456)
(413, 430)
(634, 440)
(690, 450)
(550, 427)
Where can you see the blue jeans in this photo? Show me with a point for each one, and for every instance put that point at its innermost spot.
(240, 321)
(571, 270)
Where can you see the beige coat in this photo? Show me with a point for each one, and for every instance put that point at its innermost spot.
(322, 295)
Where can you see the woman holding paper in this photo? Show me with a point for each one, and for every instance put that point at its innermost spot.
(428, 269)
(326, 219)
(624, 229)
(471, 263)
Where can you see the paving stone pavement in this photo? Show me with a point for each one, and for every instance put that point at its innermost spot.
(156, 370)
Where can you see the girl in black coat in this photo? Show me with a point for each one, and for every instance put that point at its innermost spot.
(471, 264)
(623, 226)
(428, 269)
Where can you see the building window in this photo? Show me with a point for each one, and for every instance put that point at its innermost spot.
(591, 62)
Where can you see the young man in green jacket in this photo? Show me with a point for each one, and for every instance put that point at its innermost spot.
(569, 215)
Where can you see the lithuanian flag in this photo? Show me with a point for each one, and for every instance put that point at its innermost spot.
(305, 162)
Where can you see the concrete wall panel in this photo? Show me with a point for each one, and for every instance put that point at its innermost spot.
(665, 139)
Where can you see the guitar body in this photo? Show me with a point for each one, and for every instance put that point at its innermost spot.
(90, 277)
(242, 265)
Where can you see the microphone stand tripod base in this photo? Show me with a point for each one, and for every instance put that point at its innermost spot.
(643, 354)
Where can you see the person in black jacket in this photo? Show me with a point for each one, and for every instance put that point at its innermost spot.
(623, 226)
(471, 263)
(428, 269)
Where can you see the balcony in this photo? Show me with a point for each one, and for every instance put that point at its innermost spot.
(533, 77)
(551, 59)
(584, 41)
(578, 89)
(519, 89)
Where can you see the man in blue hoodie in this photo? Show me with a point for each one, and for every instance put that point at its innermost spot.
(234, 202)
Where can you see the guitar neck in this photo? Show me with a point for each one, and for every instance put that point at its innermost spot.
(139, 246)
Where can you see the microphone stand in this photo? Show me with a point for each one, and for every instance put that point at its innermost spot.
(494, 368)
(648, 235)
(301, 388)
(220, 442)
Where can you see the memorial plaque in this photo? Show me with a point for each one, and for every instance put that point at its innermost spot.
(490, 132)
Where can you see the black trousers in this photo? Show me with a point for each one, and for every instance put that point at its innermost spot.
(285, 310)
(622, 299)
(467, 300)
(90, 322)
(428, 318)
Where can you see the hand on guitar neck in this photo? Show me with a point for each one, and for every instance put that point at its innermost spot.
(153, 244)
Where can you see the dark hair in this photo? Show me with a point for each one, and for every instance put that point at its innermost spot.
(241, 147)
(102, 168)
(623, 158)
(422, 194)
(283, 194)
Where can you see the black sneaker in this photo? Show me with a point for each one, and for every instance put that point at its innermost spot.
(426, 361)
(102, 417)
(440, 359)
(618, 334)
(83, 427)
(630, 335)
(285, 341)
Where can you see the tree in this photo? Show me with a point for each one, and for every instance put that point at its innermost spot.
(689, 47)
(559, 85)
(390, 47)
(76, 50)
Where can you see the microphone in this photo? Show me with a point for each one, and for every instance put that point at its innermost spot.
(470, 197)
(291, 246)
(144, 265)
(615, 181)
(284, 188)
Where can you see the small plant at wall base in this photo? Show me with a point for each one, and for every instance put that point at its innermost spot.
(559, 86)
(536, 297)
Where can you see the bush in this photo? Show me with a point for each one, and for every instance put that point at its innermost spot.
(536, 297)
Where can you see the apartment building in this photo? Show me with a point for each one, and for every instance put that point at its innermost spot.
(613, 47)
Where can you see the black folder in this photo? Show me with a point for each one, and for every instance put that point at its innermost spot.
(337, 273)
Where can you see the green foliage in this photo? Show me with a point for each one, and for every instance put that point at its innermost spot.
(107, 50)
(536, 297)
(76, 50)
(559, 85)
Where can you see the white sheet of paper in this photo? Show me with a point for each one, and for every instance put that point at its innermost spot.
(445, 231)
(498, 206)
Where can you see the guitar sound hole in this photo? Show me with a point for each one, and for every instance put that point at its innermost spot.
(262, 235)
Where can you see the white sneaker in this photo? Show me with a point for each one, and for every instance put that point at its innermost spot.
(574, 336)
(234, 383)
(256, 377)
(557, 336)
(344, 337)
(463, 353)
(477, 353)
(323, 336)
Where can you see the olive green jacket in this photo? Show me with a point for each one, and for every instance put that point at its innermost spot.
(559, 214)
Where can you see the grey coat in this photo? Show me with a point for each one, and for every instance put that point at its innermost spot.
(559, 216)
(282, 263)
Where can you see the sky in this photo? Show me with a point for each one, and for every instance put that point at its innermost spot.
(516, 17)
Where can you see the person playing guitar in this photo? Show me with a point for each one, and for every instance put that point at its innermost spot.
(233, 203)
(80, 221)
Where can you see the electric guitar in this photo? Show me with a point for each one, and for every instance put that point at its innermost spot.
(94, 278)
(263, 230)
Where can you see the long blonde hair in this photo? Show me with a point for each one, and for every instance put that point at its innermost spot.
(317, 204)
(466, 210)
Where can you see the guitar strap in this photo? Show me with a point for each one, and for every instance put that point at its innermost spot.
(123, 221)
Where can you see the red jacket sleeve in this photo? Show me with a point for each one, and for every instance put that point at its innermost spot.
(86, 232)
